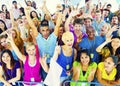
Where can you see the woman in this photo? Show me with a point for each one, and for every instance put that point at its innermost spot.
(33, 14)
(109, 47)
(106, 71)
(4, 9)
(65, 55)
(9, 68)
(3, 26)
(83, 68)
(32, 62)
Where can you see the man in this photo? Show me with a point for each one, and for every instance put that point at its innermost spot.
(91, 43)
(46, 42)
(98, 22)
(16, 11)
(114, 22)
(109, 6)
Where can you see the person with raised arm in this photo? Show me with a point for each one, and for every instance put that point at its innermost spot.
(46, 41)
(32, 62)
(65, 55)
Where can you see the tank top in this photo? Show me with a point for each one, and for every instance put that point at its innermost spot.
(63, 61)
(32, 73)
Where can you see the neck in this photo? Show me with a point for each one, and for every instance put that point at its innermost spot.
(31, 57)
(67, 47)
(8, 65)
(90, 38)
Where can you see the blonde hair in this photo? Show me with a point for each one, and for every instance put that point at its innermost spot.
(66, 35)
(29, 44)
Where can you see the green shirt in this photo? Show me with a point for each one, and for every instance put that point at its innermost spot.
(82, 77)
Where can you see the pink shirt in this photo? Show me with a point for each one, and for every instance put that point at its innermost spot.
(32, 73)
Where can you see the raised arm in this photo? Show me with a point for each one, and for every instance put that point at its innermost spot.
(14, 24)
(15, 48)
(45, 10)
(58, 22)
(31, 23)
(72, 14)
(99, 48)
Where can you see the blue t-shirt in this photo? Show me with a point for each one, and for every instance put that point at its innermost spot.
(91, 45)
(12, 73)
(46, 46)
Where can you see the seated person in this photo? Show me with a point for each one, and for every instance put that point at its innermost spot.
(106, 71)
(9, 68)
(83, 68)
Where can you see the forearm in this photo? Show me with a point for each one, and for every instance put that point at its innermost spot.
(31, 23)
(12, 19)
(14, 79)
(99, 48)
(58, 22)
(67, 23)
(3, 80)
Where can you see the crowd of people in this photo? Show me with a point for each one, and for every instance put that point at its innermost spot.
(84, 41)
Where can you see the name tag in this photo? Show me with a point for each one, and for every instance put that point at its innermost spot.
(32, 79)
(91, 55)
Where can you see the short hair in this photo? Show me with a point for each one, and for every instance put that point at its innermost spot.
(44, 23)
(14, 2)
(67, 34)
(116, 37)
(97, 11)
(106, 10)
(78, 21)
(109, 5)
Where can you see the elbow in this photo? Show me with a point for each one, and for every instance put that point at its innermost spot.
(97, 50)
(89, 79)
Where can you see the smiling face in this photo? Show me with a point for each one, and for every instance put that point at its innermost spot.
(3, 42)
(77, 27)
(68, 39)
(85, 59)
(115, 43)
(45, 32)
(104, 29)
(90, 32)
(6, 58)
(109, 64)
(31, 50)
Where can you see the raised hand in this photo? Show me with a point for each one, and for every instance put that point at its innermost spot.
(108, 39)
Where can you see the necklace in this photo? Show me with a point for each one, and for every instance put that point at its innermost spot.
(92, 47)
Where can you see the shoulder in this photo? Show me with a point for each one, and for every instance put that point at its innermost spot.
(76, 63)
(93, 65)
(101, 65)
(39, 36)
(52, 35)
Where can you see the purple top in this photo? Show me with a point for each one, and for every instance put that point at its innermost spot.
(11, 73)
(75, 37)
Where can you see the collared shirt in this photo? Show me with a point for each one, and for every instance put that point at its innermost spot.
(46, 46)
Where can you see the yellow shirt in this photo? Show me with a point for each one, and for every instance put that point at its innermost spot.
(105, 76)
